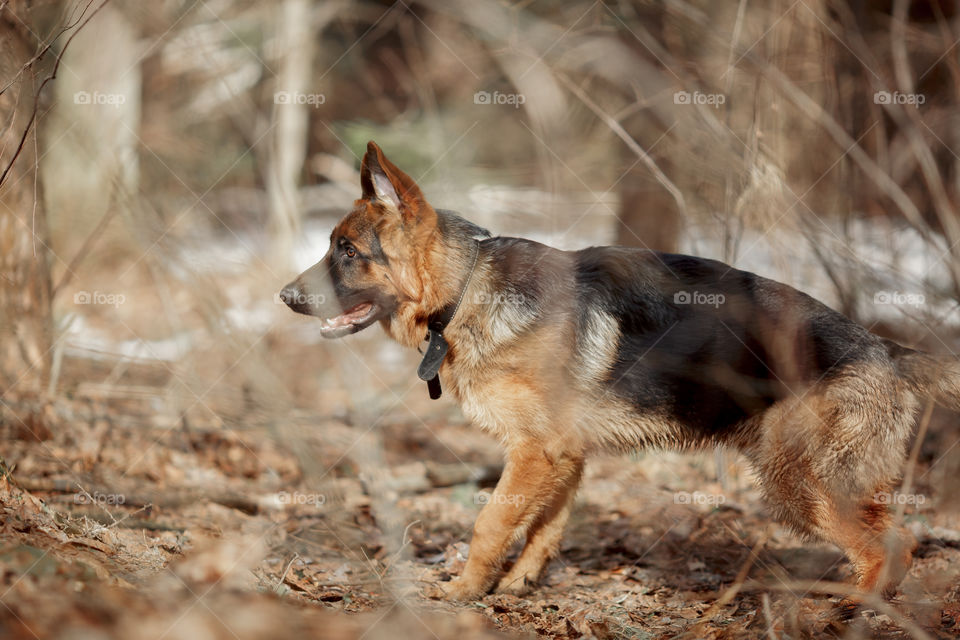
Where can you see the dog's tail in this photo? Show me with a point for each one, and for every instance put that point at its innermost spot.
(928, 375)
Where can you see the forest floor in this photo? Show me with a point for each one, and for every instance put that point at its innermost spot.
(111, 531)
(300, 495)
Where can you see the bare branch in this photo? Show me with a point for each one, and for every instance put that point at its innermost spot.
(39, 91)
(618, 129)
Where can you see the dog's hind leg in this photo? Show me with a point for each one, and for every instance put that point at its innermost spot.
(533, 479)
(858, 524)
(543, 538)
(880, 552)
(826, 462)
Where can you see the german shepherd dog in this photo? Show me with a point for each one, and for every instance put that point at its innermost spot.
(560, 353)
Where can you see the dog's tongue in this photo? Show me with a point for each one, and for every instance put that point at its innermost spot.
(349, 316)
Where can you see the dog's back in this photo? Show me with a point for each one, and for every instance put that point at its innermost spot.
(692, 340)
(708, 344)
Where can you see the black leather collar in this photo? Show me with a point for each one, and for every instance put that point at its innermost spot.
(429, 368)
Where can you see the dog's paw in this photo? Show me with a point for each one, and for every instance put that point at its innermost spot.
(459, 590)
(847, 609)
(515, 585)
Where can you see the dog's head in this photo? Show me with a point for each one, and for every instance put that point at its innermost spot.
(371, 267)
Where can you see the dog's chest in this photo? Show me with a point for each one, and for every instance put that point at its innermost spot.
(479, 403)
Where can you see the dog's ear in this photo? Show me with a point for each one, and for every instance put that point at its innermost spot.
(382, 181)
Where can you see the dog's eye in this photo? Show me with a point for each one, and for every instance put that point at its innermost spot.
(350, 251)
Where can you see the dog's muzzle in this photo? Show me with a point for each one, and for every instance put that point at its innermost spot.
(294, 297)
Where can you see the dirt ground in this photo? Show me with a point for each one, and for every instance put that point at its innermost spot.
(121, 520)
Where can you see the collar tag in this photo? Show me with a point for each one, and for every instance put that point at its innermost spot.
(433, 386)
(433, 356)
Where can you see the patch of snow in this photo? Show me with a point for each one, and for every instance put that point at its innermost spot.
(85, 341)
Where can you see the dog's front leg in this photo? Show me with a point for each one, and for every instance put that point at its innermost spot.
(530, 483)
(543, 536)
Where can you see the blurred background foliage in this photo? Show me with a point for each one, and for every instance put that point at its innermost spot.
(191, 157)
(799, 142)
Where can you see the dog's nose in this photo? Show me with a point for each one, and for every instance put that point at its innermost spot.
(289, 295)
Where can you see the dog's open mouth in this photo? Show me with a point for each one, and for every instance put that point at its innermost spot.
(352, 320)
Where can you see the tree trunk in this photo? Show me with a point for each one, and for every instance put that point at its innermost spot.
(25, 319)
(292, 103)
(648, 217)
